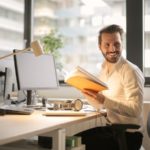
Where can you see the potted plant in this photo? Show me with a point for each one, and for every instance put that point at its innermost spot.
(52, 42)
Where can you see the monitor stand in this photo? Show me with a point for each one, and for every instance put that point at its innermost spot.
(29, 97)
(31, 103)
(31, 100)
(4, 74)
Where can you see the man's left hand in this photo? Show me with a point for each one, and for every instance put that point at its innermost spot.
(93, 94)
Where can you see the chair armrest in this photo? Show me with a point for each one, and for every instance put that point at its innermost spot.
(119, 133)
(124, 127)
(148, 124)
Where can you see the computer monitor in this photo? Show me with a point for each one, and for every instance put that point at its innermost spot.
(8, 80)
(33, 73)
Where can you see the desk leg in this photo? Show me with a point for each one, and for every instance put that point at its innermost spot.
(59, 139)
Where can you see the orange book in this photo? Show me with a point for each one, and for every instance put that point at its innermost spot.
(81, 79)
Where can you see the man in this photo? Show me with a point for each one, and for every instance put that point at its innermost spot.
(124, 98)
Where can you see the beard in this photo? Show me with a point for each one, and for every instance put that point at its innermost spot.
(112, 57)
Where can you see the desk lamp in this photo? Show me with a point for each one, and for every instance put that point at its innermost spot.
(35, 46)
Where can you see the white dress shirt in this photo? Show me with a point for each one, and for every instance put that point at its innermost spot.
(124, 97)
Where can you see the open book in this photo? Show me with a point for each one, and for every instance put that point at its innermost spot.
(81, 79)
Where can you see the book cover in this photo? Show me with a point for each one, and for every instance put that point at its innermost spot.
(82, 79)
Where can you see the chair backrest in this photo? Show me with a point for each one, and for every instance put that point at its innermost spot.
(148, 124)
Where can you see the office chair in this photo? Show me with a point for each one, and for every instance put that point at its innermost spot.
(148, 124)
(119, 133)
(147, 127)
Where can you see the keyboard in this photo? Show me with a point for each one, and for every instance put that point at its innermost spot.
(64, 113)
(16, 111)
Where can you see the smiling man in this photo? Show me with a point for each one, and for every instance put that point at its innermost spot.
(124, 98)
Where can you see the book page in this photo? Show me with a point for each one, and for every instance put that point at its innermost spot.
(75, 72)
(81, 80)
(90, 76)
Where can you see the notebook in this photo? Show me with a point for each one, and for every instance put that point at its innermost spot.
(64, 113)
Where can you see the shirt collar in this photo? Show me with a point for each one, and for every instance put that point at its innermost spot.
(114, 66)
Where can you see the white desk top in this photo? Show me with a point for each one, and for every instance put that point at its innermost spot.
(16, 127)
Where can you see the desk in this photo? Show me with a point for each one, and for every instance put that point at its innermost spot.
(17, 127)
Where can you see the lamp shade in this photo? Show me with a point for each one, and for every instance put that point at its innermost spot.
(35, 47)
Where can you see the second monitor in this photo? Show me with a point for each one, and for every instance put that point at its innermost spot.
(33, 73)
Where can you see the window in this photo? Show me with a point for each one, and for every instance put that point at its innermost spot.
(11, 25)
(78, 21)
(147, 38)
(11, 37)
(79, 28)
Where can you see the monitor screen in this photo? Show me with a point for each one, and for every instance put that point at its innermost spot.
(8, 80)
(33, 73)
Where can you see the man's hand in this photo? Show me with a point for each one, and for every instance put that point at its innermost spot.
(95, 99)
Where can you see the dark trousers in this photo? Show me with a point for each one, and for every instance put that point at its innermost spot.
(102, 138)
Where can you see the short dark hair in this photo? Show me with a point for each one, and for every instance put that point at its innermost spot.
(110, 29)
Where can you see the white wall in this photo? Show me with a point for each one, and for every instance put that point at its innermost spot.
(147, 94)
(70, 92)
(61, 92)
(146, 139)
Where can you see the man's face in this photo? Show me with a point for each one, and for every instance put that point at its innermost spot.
(111, 46)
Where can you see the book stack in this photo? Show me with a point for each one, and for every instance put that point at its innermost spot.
(74, 143)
